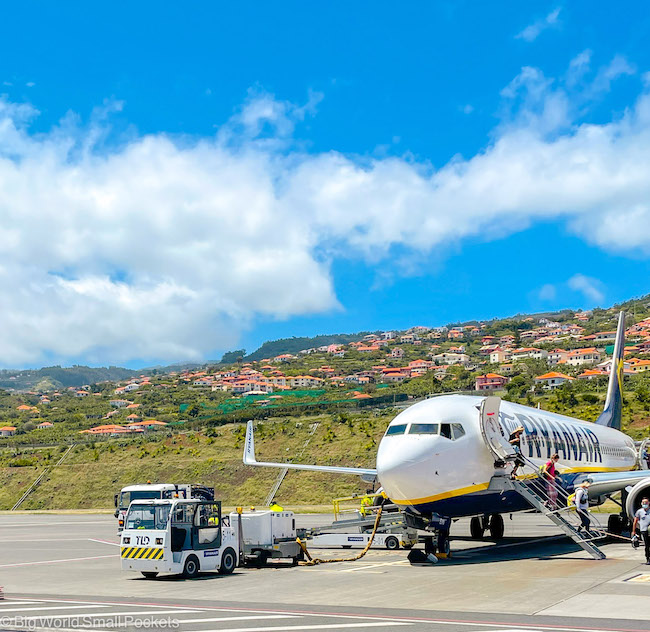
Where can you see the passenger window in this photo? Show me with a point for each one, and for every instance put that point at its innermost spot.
(423, 429)
(396, 430)
(445, 431)
(457, 430)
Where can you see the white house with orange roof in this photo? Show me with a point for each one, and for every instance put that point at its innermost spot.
(553, 379)
(590, 374)
(305, 381)
(638, 366)
(7, 431)
(44, 425)
(500, 355)
(395, 375)
(557, 356)
(576, 357)
(529, 352)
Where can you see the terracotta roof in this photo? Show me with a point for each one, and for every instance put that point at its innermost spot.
(553, 374)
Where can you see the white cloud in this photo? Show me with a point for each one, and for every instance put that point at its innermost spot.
(590, 288)
(618, 67)
(547, 292)
(578, 67)
(165, 248)
(532, 31)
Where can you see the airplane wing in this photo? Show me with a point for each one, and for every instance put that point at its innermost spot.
(367, 474)
(610, 482)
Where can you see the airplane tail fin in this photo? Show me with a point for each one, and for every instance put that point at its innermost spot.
(611, 415)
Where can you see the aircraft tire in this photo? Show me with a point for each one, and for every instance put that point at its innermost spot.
(496, 526)
(476, 529)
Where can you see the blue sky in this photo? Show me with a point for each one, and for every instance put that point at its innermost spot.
(367, 166)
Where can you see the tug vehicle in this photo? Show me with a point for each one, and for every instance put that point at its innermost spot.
(150, 491)
(179, 536)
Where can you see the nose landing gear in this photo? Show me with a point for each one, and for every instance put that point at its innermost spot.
(436, 545)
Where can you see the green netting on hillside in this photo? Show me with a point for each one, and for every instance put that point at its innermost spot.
(290, 399)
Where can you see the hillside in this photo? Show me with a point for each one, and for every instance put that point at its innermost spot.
(56, 377)
(274, 348)
(95, 471)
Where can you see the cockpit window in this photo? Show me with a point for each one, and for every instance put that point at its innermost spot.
(424, 429)
(445, 430)
(457, 431)
(396, 430)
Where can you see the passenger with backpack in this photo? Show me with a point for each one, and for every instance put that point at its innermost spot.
(582, 506)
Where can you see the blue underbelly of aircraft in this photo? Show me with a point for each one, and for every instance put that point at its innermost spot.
(484, 502)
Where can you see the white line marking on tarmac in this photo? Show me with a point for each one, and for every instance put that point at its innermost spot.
(104, 542)
(317, 626)
(69, 559)
(105, 615)
(6, 602)
(126, 604)
(6, 525)
(365, 568)
(247, 618)
(3, 540)
(39, 608)
(386, 618)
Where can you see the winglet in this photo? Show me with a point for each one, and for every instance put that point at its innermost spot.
(249, 445)
(611, 415)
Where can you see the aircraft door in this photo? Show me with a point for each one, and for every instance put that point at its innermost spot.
(492, 431)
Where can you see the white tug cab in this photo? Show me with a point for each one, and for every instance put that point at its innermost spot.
(177, 536)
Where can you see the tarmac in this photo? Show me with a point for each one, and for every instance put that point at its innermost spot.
(63, 572)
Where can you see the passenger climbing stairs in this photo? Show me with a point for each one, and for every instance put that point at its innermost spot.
(556, 507)
(549, 498)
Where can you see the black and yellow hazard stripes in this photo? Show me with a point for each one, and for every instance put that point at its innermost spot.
(141, 553)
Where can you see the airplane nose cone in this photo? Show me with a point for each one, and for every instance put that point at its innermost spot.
(404, 464)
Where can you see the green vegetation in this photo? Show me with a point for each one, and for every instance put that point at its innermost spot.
(347, 404)
(95, 471)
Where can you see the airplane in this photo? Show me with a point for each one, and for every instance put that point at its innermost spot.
(437, 458)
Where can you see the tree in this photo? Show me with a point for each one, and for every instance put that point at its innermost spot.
(232, 357)
(193, 410)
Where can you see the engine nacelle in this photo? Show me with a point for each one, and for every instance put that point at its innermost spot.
(634, 496)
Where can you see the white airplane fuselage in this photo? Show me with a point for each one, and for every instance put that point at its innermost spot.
(433, 473)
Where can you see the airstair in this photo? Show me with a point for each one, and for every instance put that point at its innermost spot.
(556, 507)
(547, 497)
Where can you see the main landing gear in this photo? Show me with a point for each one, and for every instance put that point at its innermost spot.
(480, 524)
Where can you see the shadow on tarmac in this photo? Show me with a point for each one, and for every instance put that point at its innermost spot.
(554, 547)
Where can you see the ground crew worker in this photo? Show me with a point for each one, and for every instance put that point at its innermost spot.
(366, 503)
(642, 519)
(582, 506)
(515, 441)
